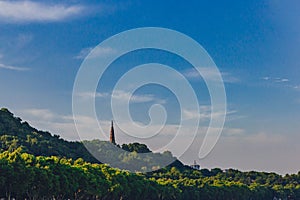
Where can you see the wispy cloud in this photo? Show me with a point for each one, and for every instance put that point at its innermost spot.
(63, 125)
(206, 113)
(97, 52)
(121, 95)
(266, 78)
(210, 74)
(276, 79)
(9, 67)
(281, 82)
(191, 114)
(92, 94)
(233, 132)
(297, 87)
(41, 114)
(32, 11)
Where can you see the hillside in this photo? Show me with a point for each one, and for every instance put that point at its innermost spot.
(37, 165)
(16, 133)
(25, 176)
(136, 157)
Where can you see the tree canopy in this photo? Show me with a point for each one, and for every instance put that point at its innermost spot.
(37, 165)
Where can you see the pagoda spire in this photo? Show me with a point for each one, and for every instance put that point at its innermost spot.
(112, 133)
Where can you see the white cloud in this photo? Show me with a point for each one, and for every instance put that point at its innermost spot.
(297, 87)
(62, 125)
(276, 80)
(121, 95)
(92, 95)
(233, 132)
(281, 80)
(9, 67)
(39, 114)
(190, 114)
(266, 78)
(210, 73)
(83, 53)
(205, 113)
(31, 11)
(97, 52)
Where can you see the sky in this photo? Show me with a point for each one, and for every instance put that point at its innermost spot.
(254, 44)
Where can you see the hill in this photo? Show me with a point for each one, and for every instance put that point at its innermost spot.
(37, 165)
(16, 133)
(133, 157)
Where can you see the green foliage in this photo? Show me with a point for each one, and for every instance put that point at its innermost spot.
(14, 133)
(24, 176)
(139, 148)
(135, 157)
(36, 165)
(229, 184)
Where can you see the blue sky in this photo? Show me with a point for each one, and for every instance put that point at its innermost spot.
(255, 45)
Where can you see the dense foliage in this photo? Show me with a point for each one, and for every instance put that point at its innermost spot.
(139, 148)
(14, 133)
(134, 157)
(36, 165)
(25, 176)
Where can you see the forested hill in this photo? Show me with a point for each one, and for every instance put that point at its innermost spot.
(14, 133)
(28, 170)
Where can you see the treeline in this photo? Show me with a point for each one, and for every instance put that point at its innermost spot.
(25, 176)
(134, 157)
(15, 133)
(216, 184)
(37, 165)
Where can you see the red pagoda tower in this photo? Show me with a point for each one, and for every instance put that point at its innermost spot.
(112, 134)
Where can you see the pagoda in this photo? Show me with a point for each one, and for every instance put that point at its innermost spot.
(112, 134)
